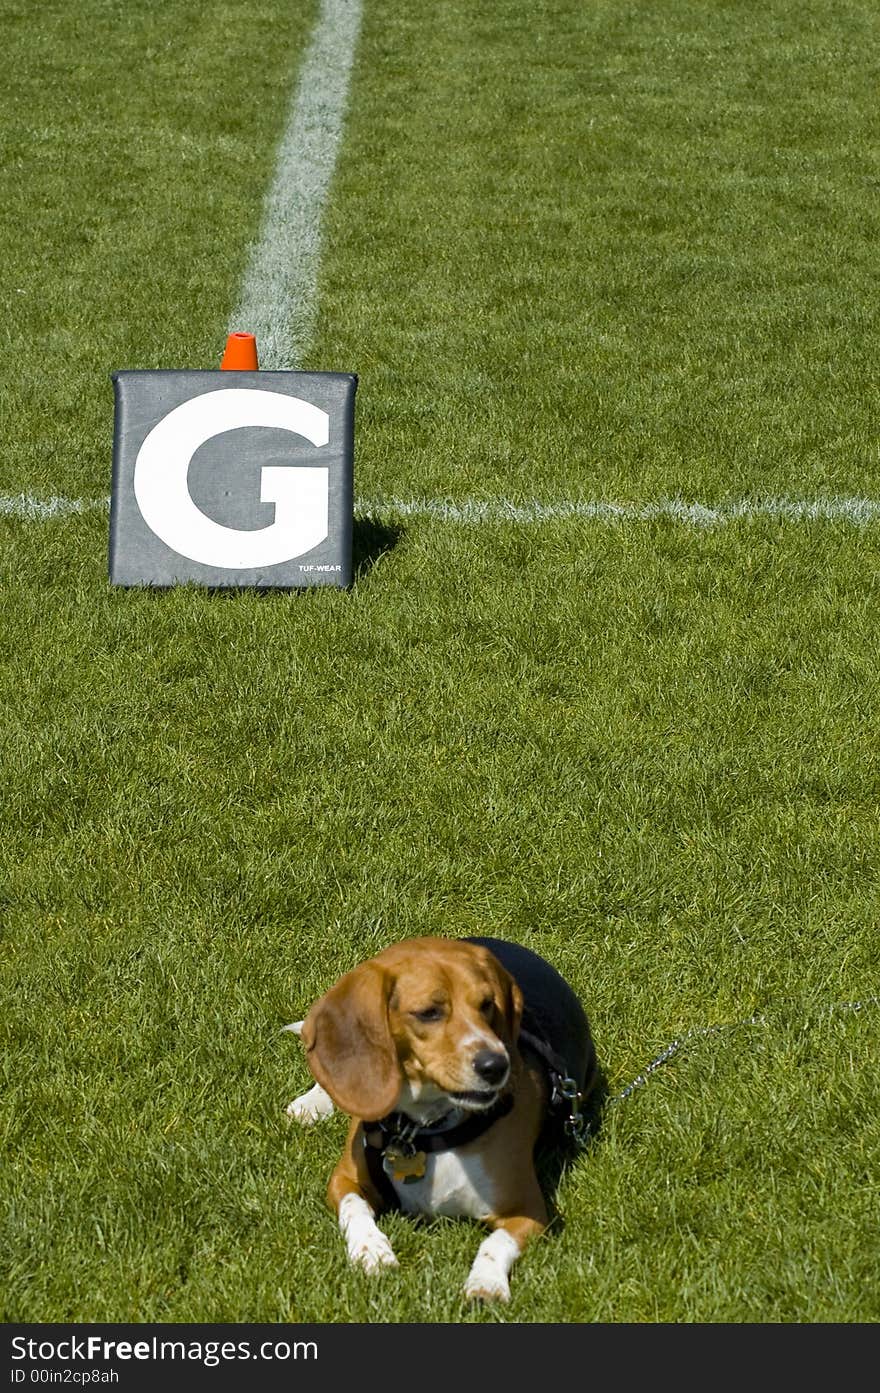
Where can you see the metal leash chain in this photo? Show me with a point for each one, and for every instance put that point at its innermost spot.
(578, 1128)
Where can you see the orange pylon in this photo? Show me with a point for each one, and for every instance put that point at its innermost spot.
(241, 352)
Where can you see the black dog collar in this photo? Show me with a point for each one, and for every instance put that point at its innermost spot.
(399, 1130)
(396, 1147)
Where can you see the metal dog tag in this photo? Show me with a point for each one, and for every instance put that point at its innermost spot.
(405, 1166)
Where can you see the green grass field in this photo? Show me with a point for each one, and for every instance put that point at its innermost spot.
(604, 252)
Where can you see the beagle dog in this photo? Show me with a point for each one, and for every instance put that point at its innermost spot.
(450, 1056)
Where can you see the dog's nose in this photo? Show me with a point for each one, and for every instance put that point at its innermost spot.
(490, 1065)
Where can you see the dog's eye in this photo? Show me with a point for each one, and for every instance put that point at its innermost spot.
(487, 1006)
(430, 1013)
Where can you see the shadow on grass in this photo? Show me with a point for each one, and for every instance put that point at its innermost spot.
(371, 540)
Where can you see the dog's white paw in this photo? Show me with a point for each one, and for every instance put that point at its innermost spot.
(310, 1107)
(487, 1280)
(365, 1243)
(486, 1285)
(373, 1253)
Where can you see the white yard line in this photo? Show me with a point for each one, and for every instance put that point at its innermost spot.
(31, 509)
(493, 512)
(278, 293)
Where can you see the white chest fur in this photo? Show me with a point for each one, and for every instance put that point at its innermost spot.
(455, 1184)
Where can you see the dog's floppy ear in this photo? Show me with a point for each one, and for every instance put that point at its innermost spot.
(349, 1045)
(513, 1004)
(508, 997)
